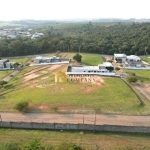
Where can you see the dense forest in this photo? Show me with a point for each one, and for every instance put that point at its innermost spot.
(90, 37)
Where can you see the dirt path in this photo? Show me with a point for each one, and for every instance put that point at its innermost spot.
(10, 76)
(77, 118)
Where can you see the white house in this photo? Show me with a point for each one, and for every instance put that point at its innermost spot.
(120, 58)
(39, 60)
(134, 61)
(102, 69)
(5, 64)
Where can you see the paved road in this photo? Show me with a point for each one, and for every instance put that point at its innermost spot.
(143, 89)
(77, 118)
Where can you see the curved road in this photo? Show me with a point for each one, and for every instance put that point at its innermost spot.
(76, 118)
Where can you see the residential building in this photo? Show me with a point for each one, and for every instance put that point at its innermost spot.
(102, 69)
(120, 58)
(134, 61)
(5, 64)
(39, 60)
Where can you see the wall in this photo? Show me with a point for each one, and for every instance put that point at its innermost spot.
(58, 126)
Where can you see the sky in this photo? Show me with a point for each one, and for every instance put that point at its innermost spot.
(73, 9)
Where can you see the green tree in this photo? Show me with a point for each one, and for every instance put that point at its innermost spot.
(77, 57)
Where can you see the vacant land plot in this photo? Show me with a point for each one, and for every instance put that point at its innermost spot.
(91, 59)
(37, 86)
(142, 75)
(21, 60)
(146, 59)
(87, 140)
(4, 73)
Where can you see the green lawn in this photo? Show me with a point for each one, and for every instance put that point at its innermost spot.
(21, 60)
(106, 98)
(88, 140)
(4, 73)
(146, 59)
(143, 75)
(91, 59)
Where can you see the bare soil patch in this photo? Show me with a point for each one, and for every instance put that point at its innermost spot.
(53, 67)
(43, 107)
(44, 78)
(31, 76)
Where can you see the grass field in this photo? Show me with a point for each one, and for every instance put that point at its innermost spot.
(143, 75)
(21, 60)
(93, 59)
(88, 140)
(146, 59)
(4, 73)
(110, 96)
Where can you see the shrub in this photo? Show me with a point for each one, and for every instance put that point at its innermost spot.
(35, 145)
(110, 61)
(54, 108)
(133, 74)
(77, 57)
(27, 64)
(68, 146)
(132, 79)
(3, 83)
(117, 68)
(12, 146)
(21, 106)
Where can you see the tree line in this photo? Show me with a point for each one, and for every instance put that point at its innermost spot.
(110, 38)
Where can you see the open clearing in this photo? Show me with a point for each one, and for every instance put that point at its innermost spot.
(37, 86)
(104, 141)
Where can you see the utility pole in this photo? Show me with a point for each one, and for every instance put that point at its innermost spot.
(79, 49)
(95, 122)
(83, 115)
(68, 48)
(0, 118)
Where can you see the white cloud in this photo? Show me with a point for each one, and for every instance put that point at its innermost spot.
(70, 9)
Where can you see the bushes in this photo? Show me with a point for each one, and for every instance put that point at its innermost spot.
(22, 106)
(77, 57)
(12, 146)
(3, 83)
(110, 61)
(132, 79)
(54, 108)
(37, 145)
(117, 68)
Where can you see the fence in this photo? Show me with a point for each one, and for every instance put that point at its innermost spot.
(88, 127)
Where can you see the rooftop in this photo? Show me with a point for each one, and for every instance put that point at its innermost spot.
(133, 57)
(120, 55)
